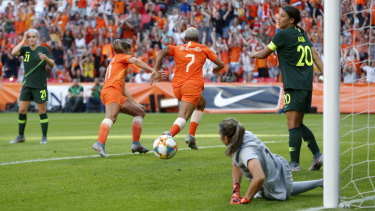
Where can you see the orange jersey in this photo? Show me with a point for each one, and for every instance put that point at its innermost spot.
(189, 59)
(116, 72)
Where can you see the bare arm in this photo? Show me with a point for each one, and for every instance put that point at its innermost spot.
(261, 54)
(49, 61)
(236, 174)
(258, 178)
(317, 61)
(140, 64)
(16, 51)
(220, 65)
(160, 58)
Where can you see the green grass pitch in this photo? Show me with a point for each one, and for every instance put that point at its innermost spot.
(192, 180)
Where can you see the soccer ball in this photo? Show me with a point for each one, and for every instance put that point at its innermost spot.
(165, 147)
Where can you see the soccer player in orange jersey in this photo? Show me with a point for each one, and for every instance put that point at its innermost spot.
(117, 99)
(188, 81)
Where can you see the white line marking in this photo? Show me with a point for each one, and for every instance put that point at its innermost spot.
(33, 138)
(94, 156)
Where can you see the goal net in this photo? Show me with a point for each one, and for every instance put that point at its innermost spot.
(357, 157)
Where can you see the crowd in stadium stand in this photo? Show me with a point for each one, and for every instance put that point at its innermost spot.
(79, 34)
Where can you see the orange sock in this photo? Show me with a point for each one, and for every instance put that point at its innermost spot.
(103, 133)
(175, 129)
(193, 128)
(137, 128)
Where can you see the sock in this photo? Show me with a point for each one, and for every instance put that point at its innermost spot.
(303, 186)
(178, 125)
(104, 130)
(309, 140)
(295, 141)
(44, 123)
(22, 119)
(194, 122)
(137, 128)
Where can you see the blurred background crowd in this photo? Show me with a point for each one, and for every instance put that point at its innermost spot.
(79, 34)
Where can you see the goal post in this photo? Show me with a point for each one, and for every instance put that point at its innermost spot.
(331, 104)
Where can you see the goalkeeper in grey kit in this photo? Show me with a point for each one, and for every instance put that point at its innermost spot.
(269, 173)
(34, 84)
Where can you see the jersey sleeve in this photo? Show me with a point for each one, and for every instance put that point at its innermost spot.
(48, 53)
(211, 55)
(23, 50)
(171, 50)
(123, 58)
(246, 154)
(278, 41)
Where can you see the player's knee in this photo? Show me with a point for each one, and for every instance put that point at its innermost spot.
(202, 104)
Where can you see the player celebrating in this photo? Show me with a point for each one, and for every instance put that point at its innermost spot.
(269, 173)
(117, 99)
(34, 84)
(188, 81)
(296, 57)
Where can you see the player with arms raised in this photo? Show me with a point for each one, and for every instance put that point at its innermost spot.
(188, 81)
(34, 84)
(296, 57)
(117, 99)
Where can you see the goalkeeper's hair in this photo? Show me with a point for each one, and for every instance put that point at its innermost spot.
(121, 47)
(232, 129)
(294, 13)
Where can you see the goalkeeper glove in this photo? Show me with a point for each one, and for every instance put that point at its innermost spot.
(236, 199)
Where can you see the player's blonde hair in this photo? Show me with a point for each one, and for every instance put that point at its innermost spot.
(192, 34)
(33, 31)
(120, 46)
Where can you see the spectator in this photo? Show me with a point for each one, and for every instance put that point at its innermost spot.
(369, 70)
(74, 102)
(93, 102)
(142, 77)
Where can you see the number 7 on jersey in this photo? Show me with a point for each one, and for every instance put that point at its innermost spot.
(191, 62)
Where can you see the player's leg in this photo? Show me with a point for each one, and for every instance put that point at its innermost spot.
(22, 119)
(112, 110)
(308, 136)
(138, 112)
(294, 119)
(194, 122)
(294, 110)
(42, 110)
(303, 186)
(184, 113)
(40, 96)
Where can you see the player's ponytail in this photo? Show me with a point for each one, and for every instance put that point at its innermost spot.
(232, 129)
(294, 13)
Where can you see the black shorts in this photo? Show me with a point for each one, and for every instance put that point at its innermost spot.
(297, 100)
(32, 94)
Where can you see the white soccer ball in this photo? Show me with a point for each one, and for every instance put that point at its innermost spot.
(165, 147)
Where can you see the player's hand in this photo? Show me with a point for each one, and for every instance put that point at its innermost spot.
(244, 200)
(42, 56)
(156, 75)
(24, 37)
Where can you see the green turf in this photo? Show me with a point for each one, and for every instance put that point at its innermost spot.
(192, 180)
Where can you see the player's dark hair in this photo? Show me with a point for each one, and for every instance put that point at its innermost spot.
(232, 129)
(294, 13)
(121, 47)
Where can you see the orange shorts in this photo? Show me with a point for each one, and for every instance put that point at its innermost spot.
(112, 96)
(189, 92)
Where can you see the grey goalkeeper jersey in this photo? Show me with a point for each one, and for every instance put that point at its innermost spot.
(278, 182)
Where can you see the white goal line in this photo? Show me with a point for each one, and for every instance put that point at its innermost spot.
(94, 156)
